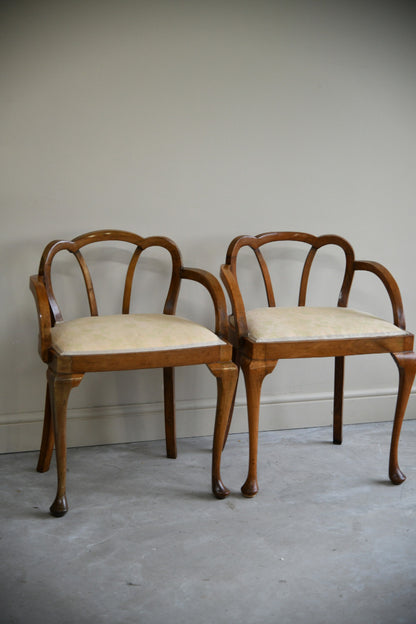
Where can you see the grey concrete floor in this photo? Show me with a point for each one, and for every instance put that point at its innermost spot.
(327, 540)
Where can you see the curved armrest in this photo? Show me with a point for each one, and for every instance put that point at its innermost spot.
(391, 286)
(44, 315)
(214, 288)
(237, 304)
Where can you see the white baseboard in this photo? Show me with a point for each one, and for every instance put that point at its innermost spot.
(128, 423)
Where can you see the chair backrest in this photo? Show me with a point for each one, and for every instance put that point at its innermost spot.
(139, 244)
(314, 242)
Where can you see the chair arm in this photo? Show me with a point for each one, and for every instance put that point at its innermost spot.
(237, 304)
(391, 286)
(44, 315)
(214, 288)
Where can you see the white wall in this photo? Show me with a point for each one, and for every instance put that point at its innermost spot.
(201, 120)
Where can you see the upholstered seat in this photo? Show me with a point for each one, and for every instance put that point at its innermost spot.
(315, 323)
(129, 333)
(262, 336)
(126, 341)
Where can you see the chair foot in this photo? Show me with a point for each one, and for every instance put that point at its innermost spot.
(59, 507)
(219, 490)
(42, 466)
(396, 476)
(250, 488)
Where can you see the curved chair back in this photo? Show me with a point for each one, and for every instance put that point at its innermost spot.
(139, 244)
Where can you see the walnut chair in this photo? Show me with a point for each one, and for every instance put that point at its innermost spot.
(262, 336)
(126, 341)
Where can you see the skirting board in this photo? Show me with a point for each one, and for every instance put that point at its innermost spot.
(131, 423)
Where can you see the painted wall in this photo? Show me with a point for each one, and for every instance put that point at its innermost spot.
(201, 121)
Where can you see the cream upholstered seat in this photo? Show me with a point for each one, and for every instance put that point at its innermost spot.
(129, 333)
(126, 342)
(262, 336)
(315, 323)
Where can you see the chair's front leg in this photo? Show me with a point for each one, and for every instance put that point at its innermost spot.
(227, 376)
(170, 421)
(254, 372)
(48, 440)
(59, 387)
(406, 363)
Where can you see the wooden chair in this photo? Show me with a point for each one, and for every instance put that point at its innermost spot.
(262, 336)
(124, 342)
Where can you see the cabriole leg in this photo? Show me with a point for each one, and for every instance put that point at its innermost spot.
(338, 399)
(59, 387)
(48, 440)
(227, 375)
(406, 363)
(254, 374)
(170, 421)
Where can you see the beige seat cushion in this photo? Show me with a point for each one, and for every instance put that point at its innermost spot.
(126, 333)
(310, 323)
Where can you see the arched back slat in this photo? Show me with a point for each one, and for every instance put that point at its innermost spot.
(88, 283)
(173, 291)
(266, 278)
(305, 275)
(129, 280)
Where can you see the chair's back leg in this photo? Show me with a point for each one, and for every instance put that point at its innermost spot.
(48, 439)
(406, 363)
(227, 376)
(170, 419)
(254, 374)
(338, 399)
(230, 416)
(59, 387)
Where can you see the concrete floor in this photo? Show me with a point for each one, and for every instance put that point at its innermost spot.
(327, 540)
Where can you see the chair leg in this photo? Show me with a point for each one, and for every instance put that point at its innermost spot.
(170, 421)
(59, 387)
(48, 440)
(254, 374)
(227, 376)
(406, 363)
(230, 416)
(338, 399)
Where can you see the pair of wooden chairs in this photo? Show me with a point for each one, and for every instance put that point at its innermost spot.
(250, 339)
